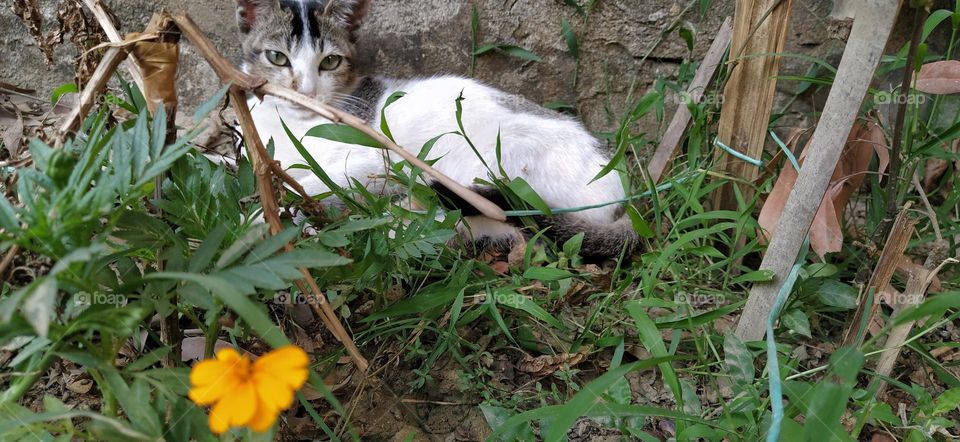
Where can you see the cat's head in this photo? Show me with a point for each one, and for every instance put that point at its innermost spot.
(305, 45)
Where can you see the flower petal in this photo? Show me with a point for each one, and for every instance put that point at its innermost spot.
(235, 410)
(263, 418)
(287, 363)
(273, 392)
(228, 354)
(208, 372)
(283, 357)
(210, 393)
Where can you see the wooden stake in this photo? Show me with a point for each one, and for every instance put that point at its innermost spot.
(890, 258)
(869, 35)
(759, 29)
(681, 119)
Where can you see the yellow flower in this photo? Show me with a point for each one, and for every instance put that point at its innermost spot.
(245, 393)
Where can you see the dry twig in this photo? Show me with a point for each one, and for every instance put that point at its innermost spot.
(106, 23)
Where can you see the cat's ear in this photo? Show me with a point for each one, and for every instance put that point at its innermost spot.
(247, 11)
(349, 13)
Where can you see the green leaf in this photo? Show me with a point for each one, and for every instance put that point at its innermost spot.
(547, 274)
(830, 396)
(384, 127)
(63, 89)
(586, 399)
(135, 402)
(241, 245)
(8, 217)
(38, 307)
(797, 321)
(522, 189)
(512, 50)
(571, 247)
(253, 314)
(738, 360)
(640, 225)
(642, 107)
(208, 249)
(652, 340)
(427, 300)
(514, 300)
(497, 417)
(571, 37)
(343, 134)
(754, 276)
(688, 33)
(934, 20)
(837, 294)
(946, 402)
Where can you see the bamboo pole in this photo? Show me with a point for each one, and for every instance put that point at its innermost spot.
(871, 29)
(759, 29)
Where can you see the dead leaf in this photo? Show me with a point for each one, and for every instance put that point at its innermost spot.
(546, 365)
(12, 138)
(826, 233)
(939, 78)
(81, 386)
(933, 171)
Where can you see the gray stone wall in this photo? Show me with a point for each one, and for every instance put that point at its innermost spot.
(427, 37)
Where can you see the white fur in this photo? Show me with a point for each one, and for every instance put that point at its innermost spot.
(557, 156)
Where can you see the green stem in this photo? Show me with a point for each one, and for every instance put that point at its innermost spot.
(20, 385)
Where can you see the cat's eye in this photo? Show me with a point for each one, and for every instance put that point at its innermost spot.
(331, 62)
(278, 58)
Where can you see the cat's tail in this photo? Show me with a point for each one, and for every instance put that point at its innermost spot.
(599, 240)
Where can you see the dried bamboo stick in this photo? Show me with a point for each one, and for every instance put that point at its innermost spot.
(869, 35)
(681, 119)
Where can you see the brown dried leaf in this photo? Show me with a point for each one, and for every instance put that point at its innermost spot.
(81, 386)
(12, 138)
(29, 13)
(938, 78)
(826, 233)
(933, 171)
(546, 365)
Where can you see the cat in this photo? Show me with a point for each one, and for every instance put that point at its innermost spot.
(310, 46)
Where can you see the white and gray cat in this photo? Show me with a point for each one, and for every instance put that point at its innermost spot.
(309, 46)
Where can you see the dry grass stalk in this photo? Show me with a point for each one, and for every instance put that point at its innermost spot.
(108, 65)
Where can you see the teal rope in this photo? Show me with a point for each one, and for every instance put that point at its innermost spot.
(773, 364)
(739, 155)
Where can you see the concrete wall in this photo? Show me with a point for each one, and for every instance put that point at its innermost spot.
(426, 37)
